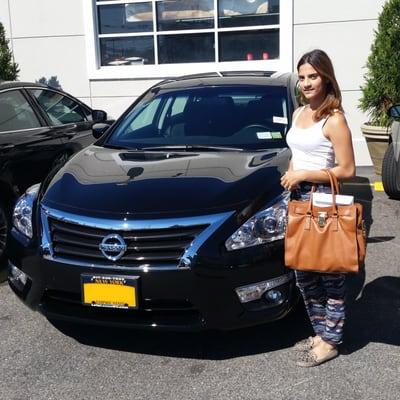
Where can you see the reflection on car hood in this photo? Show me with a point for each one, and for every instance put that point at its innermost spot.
(108, 181)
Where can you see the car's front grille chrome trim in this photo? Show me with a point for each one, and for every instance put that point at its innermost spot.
(159, 244)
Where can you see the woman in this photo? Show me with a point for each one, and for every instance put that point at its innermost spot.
(319, 135)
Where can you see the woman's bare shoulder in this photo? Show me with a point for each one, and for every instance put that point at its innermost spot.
(336, 125)
(296, 111)
(336, 118)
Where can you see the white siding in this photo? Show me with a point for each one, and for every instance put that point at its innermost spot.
(311, 11)
(345, 31)
(120, 88)
(355, 118)
(114, 106)
(63, 57)
(5, 16)
(46, 18)
(347, 43)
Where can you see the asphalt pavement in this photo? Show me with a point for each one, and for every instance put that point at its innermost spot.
(43, 360)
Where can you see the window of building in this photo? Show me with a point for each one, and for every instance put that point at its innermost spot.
(187, 31)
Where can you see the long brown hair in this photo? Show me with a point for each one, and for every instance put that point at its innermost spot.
(321, 62)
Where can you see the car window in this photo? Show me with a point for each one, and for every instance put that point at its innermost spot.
(245, 116)
(145, 117)
(16, 113)
(60, 109)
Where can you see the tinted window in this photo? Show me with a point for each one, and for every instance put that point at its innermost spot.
(117, 18)
(60, 109)
(246, 117)
(16, 113)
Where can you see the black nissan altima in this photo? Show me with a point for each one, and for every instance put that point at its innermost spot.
(173, 219)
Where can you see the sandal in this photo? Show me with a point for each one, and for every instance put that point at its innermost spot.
(304, 345)
(310, 359)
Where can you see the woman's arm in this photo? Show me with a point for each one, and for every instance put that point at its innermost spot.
(338, 132)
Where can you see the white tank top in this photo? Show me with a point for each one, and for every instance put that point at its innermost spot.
(311, 150)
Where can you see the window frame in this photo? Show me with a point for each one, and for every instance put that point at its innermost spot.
(96, 71)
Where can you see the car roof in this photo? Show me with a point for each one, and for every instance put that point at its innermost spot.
(228, 78)
(17, 84)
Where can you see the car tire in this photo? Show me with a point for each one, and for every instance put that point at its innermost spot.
(391, 174)
(4, 230)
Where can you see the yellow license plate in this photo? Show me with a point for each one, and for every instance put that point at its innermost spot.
(109, 291)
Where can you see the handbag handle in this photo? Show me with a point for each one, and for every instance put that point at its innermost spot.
(332, 177)
(334, 189)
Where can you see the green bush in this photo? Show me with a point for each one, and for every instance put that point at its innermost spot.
(8, 68)
(382, 87)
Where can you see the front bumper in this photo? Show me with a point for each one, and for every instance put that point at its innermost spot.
(200, 297)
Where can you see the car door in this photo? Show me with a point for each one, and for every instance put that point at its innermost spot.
(68, 115)
(27, 146)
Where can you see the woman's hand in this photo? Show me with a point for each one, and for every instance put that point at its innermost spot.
(291, 179)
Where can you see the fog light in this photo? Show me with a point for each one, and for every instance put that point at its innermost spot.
(16, 276)
(256, 290)
(274, 295)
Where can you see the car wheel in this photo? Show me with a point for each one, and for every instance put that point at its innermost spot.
(391, 174)
(4, 230)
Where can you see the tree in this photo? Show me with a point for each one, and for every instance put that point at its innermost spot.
(8, 68)
(52, 82)
(382, 87)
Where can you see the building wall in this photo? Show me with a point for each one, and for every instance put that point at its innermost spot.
(48, 38)
(344, 29)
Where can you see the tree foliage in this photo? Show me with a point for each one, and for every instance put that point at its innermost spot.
(52, 82)
(8, 68)
(382, 79)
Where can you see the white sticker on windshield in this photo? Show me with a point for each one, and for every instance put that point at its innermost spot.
(264, 135)
(279, 120)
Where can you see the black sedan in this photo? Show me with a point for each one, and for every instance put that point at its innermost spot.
(40, 128)
(173, 219)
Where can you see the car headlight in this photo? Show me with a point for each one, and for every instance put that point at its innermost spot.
(22, 215)
(265, 226)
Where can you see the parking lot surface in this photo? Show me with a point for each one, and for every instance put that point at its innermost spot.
(44, 360)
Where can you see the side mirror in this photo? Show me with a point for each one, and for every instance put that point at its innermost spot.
(99, 129)
(99, 115)
(394, 111)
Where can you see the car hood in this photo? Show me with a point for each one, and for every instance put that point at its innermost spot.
(102, 181)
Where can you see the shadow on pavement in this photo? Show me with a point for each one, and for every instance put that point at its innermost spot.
(375, 316)
(212, 345)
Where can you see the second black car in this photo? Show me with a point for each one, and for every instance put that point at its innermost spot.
(40, 128)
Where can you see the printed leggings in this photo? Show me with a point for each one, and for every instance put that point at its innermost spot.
(324, 298)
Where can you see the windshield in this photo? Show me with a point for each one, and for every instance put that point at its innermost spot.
(245, 117)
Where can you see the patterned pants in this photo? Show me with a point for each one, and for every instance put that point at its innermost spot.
(324, 296)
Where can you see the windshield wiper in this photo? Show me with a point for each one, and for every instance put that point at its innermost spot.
(192, 147)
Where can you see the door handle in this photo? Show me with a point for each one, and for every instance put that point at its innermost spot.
(6, 146)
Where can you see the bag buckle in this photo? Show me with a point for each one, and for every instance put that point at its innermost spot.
(322, 216)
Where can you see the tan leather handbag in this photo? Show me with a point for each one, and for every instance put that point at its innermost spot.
(325, 239)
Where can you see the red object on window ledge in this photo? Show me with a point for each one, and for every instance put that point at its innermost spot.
(265, 55)
(249, 56)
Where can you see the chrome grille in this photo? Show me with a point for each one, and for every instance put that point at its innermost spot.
(145, 246)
